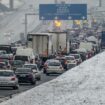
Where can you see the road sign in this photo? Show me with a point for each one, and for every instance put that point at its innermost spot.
(63, 11)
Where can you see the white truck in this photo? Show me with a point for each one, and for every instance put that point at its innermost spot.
(60, 42)
(41, 43)
(45, 44)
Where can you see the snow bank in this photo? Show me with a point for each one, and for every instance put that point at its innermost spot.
(82, 85)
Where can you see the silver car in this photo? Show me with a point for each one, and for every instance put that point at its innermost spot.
(36, 70)
(54, 67)
(8, 79)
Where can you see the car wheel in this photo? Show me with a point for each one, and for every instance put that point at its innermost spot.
(39, 78)
(47, 74)
(15, 87)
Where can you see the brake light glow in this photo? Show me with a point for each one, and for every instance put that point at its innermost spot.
(13, 78)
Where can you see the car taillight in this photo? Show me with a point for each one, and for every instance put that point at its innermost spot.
(65, 62)
(87, 56)
(46, 66)
(13, 78)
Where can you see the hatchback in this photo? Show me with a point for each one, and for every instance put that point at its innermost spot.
(77, 57)
(54, 67)
(8, 79)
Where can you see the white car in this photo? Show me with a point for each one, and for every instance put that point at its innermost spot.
(70, 60)
(77, 57)
(54, 67)
(8, 79)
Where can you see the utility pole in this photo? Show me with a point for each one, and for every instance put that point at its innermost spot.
(11, 4)
(26, 22)
(56, 1)
(100, 3)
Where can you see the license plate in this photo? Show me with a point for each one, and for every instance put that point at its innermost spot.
(22, 75)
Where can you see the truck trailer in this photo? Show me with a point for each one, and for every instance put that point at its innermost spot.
(41, 43)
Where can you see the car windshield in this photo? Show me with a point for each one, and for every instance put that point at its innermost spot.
(17, 63)
(6, 73)
(23, 70)
(23, 58)
(30, 66)
(54, 64)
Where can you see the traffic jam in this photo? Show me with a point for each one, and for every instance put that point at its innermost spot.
(42, 54)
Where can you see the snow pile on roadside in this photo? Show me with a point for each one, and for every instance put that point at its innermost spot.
(82, 85)
(17, 3)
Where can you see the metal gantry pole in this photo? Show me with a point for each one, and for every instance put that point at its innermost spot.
(25, 26)
(26, 22)
(56, 1)
(100, 3)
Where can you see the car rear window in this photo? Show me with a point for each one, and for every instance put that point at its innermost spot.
(54, 64)
(6, 73)
(30, 66)
(76, 56)
(23, 70)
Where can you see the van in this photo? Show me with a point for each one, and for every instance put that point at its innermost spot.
(24, 54)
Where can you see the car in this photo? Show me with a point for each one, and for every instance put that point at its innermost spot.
(26, 75)
(77, 57)
(3, 65)
(36, 70)
(16, 64)
(54, 67)
(45, 65)
(6, 61)
(71, 65)
(6, 56)
(8, 79)
(2, 52)
(70, 59)
(63, 61)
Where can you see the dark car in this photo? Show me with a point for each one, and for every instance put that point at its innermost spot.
(25, 75)
(35, 68)
(16, 64)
